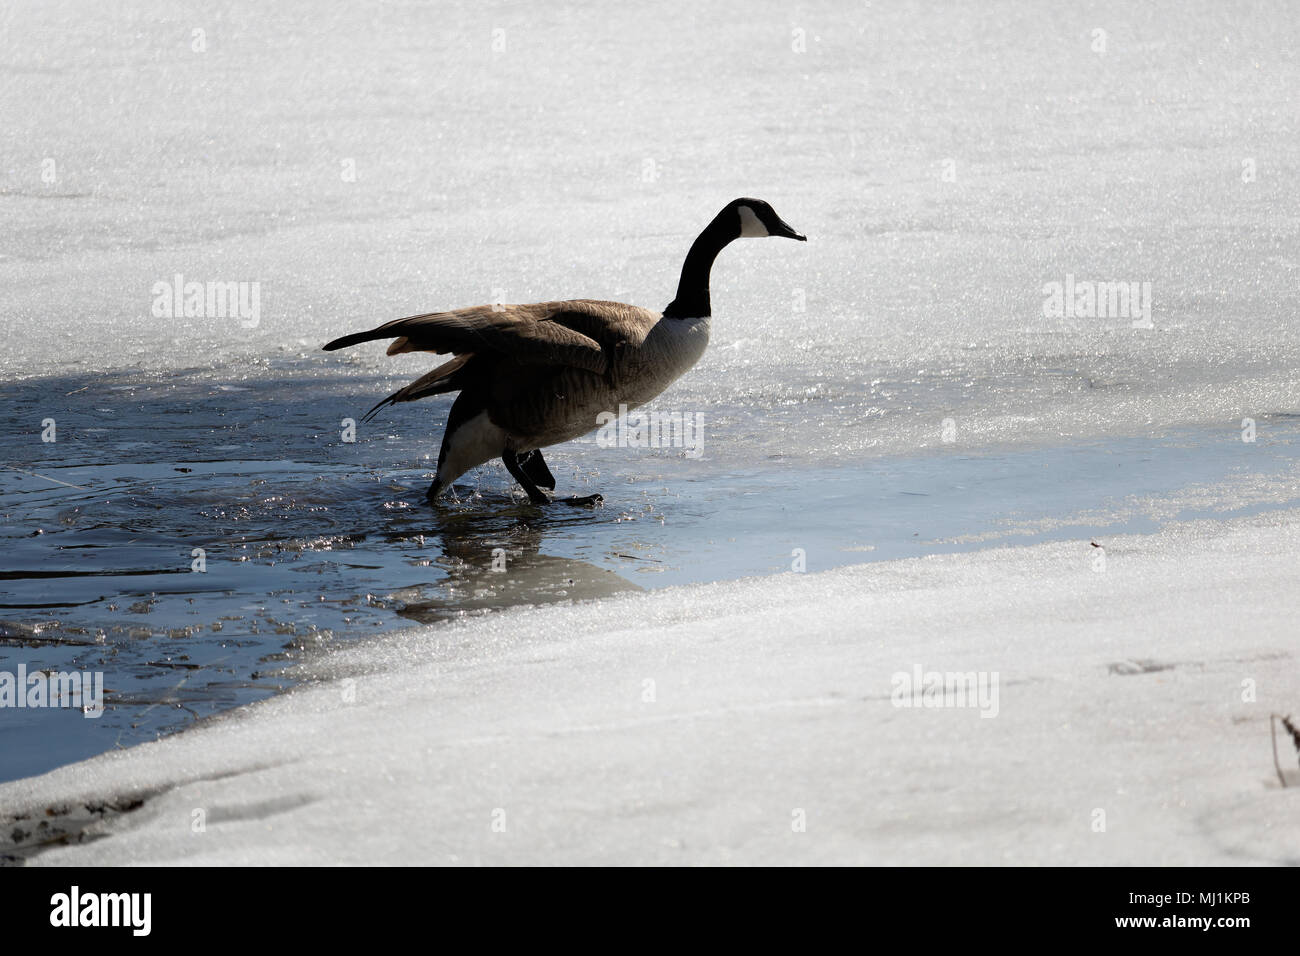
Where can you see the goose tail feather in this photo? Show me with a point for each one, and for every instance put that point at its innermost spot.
(444, 378)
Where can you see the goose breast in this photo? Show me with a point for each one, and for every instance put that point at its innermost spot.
(541, 407)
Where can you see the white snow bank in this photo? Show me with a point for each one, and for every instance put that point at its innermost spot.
(1120, 693)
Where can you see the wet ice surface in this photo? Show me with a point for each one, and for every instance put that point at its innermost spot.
(334, 540)
(526, 175)
(699, 724)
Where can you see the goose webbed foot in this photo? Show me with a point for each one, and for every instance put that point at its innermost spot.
(530, 470)
(589, 501)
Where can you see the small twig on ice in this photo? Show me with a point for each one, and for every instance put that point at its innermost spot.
(1295, 739)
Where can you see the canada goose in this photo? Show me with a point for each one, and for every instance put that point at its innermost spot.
(530, 376)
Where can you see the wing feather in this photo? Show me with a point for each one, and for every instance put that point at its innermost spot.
(447, 377)
(579, 333)
(585, 334)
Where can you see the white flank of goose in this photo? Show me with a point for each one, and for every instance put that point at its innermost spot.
(531, 376)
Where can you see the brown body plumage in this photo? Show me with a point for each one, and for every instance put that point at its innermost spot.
(531, 376)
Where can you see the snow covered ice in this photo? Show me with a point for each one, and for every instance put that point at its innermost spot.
(895, 408)
(1119, 693)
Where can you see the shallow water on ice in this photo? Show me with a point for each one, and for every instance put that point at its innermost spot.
(945, 164)
(309, 539)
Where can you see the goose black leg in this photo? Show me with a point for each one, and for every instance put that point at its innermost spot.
(515, 465)
(534, 467)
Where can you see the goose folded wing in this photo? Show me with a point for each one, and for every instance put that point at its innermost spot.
(612, 324)
(529, 334)
(581, 333)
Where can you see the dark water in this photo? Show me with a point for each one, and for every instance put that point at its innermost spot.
(308, 539)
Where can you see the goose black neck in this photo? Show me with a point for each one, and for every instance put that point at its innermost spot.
(693, 289)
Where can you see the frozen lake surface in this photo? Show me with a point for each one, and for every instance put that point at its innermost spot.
(758, 722)
(323, 544)
(897, 387)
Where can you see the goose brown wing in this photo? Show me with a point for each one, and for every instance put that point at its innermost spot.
(579, 333)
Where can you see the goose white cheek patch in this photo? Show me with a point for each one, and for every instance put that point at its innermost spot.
(750, 225)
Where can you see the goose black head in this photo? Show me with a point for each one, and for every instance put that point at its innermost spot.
(740, 218)
(757, 218)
